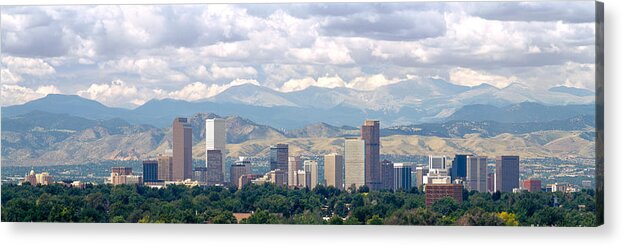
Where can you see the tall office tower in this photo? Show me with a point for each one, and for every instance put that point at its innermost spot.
(476, 173)
(214, 166)
(420, 172)
(279, 157)
(437, 162)
(216, 139)
(182, 149)
(532, 185)
(240, 168)
(150, 171)
(122, 170)
(200, 174)
(459, 167)
(165, 167)
(294, 164)
(387, 175)
(280, 177)
(334, 170)
(303, 179)
(491, 182)
(506, 173)
(370, 134)
(311, 167)
(402, 177)
(354, 163)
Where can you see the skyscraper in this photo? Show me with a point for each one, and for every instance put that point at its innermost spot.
(241, 167)
(437, 162)
(387, 175)
(420, 172)
(279, 157)
(311, 167)
(294, 164)
(402, 177)
(459, 167)
(216, 139)
(182, 150)
(491, 182)
(334, 170)
(214, 167)
(354, 163)
(370, 134)
(200, 174)
(476, 173)
(506, 173)
(165, 167)
(150, 171)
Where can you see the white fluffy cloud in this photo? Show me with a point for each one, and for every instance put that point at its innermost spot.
(366, 83)
(15, 94)
(160, 50)
(26, 66)
(198, 90)
(469, 77)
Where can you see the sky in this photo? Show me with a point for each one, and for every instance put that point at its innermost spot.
(126, 55)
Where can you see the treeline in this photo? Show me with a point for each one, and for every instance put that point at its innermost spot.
(278, 205)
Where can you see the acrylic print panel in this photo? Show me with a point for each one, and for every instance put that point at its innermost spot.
(424, 113)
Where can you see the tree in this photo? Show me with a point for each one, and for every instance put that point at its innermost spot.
(509, 219)
(445, 206)
(375, 220)
(336, 220)
(261, 217)
(478, 217)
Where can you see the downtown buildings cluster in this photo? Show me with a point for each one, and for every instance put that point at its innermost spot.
(358, 165)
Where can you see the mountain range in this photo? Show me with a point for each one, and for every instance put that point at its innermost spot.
(402, 103)
(43, 138)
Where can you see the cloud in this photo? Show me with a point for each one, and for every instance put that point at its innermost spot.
(232, 72)
(198, 90)
(161, 49)
(324, 51)
(15, 94)
(149, 69)
(469, 77)
(569, 11)
(365, 83)
(399, 25)
(7, 77)
(116, 93)
(27, 66)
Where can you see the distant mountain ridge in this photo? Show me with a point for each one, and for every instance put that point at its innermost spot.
(42, 138)
(402, 103)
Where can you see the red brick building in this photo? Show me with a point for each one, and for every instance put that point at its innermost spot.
(435, 192)
(532, 185)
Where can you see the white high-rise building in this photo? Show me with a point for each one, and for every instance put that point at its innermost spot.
(437, 162)
(354, 160)
(216, 139)
(476, 173)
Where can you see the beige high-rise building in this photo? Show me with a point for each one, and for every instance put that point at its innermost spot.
(334, 170)
(354, 163)
(182, 150)
(303, 179)
(294, 164)
(311, 167)
(476, 173)
(165, 166)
